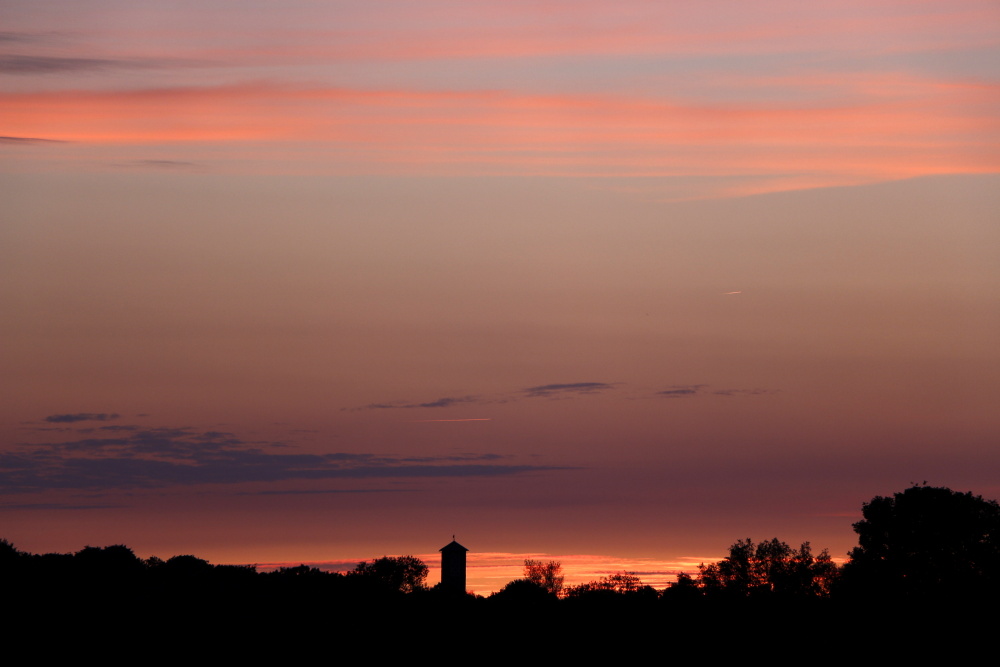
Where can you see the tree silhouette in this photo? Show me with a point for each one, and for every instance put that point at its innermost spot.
(403, 574)
(769, 568)
(619, 583)
(8, 553)
(683, 591)
(523, 591)
(927, 541)
(548, 576)
(116, 560)
(187, 566)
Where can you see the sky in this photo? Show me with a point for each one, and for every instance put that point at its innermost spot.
(611, 283)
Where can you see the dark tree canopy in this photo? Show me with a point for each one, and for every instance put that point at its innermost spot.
(523, 591)
(927, 541)
(771, 568)
(404, 574)
(617, 584)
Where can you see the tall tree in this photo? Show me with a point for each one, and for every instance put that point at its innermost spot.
(546, 575)
(927, 541)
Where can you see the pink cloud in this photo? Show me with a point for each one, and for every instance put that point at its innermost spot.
(402, 31)
(922, 127)
(519, 30)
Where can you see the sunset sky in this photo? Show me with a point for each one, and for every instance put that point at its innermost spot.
(616, 283)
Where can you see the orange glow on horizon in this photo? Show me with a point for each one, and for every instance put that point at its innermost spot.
(489, 572)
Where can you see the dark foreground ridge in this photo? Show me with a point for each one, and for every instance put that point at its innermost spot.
(928, 558)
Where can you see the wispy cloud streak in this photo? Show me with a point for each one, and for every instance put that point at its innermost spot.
(29, 141)
(158, 457)
(859, 137)
(445, 402)
(81, 417)
(549, 390)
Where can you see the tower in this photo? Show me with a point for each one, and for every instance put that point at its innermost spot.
(453, 567)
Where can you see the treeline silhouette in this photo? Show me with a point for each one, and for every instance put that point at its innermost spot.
(923, 547)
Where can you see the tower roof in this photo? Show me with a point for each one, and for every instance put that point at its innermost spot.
(453, 546)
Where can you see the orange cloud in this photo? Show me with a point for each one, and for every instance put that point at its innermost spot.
(933, 127)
